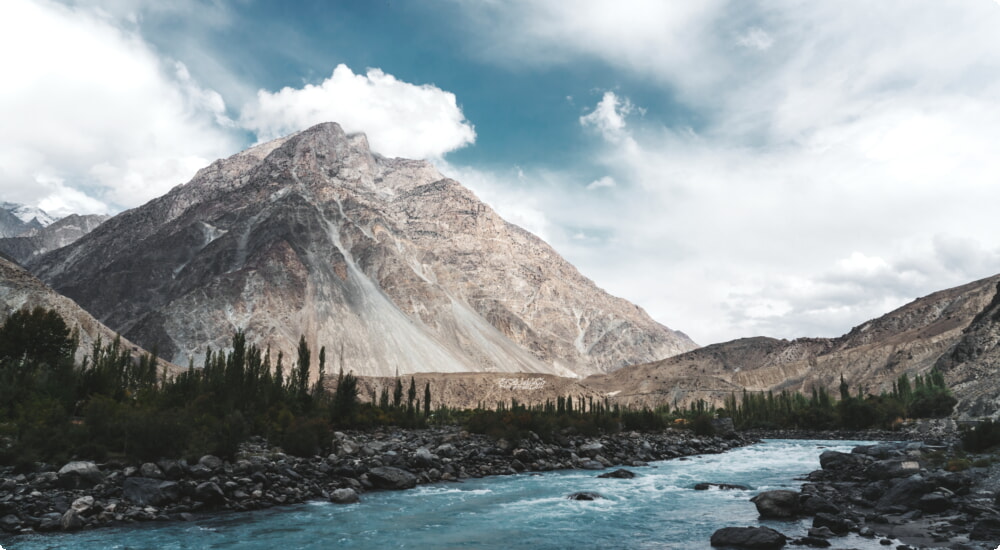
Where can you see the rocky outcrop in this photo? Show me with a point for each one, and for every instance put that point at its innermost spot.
(386, 262)
(39, 240)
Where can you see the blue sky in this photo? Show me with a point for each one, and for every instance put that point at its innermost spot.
(736, 168)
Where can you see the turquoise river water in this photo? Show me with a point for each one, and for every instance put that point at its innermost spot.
(657, 509)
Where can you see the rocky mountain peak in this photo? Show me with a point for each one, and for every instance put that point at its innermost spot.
(383, 261)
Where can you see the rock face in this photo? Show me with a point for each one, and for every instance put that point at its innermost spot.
(39, 240)
(384, 261)
(957, 330)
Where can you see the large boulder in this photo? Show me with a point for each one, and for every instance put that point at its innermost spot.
(814, 504)
(834, 523)
(79, 475)
(841, 462)
(780, 503)
(891, 468)
(71, 520)
(209, 493)
(146, 491)
(344, 496)
(387, 477)
(749, 537)
(905, 493)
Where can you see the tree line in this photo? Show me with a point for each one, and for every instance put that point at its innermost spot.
(113, 404)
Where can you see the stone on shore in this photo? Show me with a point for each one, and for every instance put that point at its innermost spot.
(388, 477)
(762, 538)
(79, 475)
(344, 496)
(780, 503)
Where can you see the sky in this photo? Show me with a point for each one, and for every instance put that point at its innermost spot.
(736, 168)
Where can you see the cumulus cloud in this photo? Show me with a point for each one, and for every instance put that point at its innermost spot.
(400, 119)
(94, 119)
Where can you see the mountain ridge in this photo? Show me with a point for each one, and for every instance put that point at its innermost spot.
(315, 235)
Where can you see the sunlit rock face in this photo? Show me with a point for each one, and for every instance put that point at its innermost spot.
(389, 265)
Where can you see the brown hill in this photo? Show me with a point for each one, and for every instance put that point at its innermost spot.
(957, 329)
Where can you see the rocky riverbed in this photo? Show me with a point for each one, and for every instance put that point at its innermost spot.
(85, 495)
(915, 494)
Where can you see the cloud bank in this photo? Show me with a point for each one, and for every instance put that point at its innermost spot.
(93, 118)
(839, 167)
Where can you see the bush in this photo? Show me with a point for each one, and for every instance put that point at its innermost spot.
(983, 437)
(307, 437)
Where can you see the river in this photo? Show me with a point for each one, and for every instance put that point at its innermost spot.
(658, 509)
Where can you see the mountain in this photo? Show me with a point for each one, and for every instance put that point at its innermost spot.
(37, 241)
(16, 219)
(388, 264)
(956, 330)
(20, 289)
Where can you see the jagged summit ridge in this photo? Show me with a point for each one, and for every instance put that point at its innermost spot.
(384, 261)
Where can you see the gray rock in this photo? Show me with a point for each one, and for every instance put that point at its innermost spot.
(211, 462)
(71, 521)
(762, 538)
(80, 475)
(591, 465)
(814, 504)
(836, 524)
(209, 493)
(146, 491)
(620, 473)
(934, 503)
(779, 503)
(446, 450)
(10, 523)
(904, 492)
(721, 486)
(344, 496)
(585, 495)
(591, 449)
(837, 461)
(388, 477)
(150, 470)
(423, 458)
(83, 504)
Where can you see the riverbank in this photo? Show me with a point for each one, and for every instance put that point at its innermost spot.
(923, 494)
(85, 495)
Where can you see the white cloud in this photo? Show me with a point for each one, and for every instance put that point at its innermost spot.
(399, 118)
(608, 117)
(756, 38)
(603, 182)
(90, 105)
